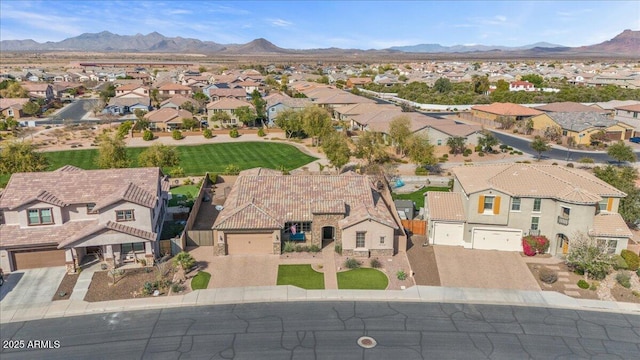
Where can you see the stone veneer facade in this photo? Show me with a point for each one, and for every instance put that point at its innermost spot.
(322, 220)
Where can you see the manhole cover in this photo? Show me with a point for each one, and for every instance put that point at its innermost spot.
(367, 342)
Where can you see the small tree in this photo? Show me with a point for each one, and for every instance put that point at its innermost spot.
(184, 260)
(124, 128)
(207, 133)
(234, 133)
(290, 121)
(147, 135)
(111, 152)
(419, 150)
(399, 132)
(30, 108)
(456, 144)
(487, 141)
(336, 147)
(370, 147)
(222, 117)
(189, 123)
(246, 114)
(177, 135)
(590, 256)
(316, 122)
(539, 145)
(21, 157)
(621, 152)
(159, 155)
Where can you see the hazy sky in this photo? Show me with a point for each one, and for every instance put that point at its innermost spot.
(321, 24)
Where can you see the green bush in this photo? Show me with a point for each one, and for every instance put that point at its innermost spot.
(570, 165)
(176, 172)
(234, 133)
(261, 132)
(594, 286)
(582, 284)
(289, 246)
(338, 249)
(351, 263)
(207, 134)
(147, 135)
(632, 259)
(184, 260)
(375, 263)
(177, 135)
(302, 248)
(623, 278)
(585, 160)
(232, 169)
(176, 288)
(467, 152)
(314, 248)
(618, 263)
(401, 275)
(421, 171)
(481, 154)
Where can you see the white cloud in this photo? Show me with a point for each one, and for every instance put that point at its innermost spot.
(48, 22)
(280, 22)
(180, 12)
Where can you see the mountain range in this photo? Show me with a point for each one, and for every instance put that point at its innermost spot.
(626, 44)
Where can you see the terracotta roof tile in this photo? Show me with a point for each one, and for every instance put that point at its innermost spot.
(446, 206)
(507, 109)
(14, 235)
(247, 216)
(568, 106)
(109, 225)
(610, 224)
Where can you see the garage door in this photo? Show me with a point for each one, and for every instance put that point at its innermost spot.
(30, 259)
(260, 243)
(448, 234)
(497, 239)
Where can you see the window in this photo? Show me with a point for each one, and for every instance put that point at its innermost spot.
(565, 212)
(604, 205)
(488, 203)
(610, 245)
(360, 239)
(381, 240)
(300, 227)
(439, 141)
(515, 204)
(535, 223)
(537, 203)
(124, 215)
(39, 216)
(90, 207)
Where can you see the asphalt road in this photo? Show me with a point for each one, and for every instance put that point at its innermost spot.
(72, 112)
(330, 330)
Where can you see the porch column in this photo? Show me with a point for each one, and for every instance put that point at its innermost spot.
(70, 261)
(148, 253)
(108, 255)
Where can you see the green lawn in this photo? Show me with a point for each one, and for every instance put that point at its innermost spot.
(199, 159)
(182, 193)
(418, 196)
(302, 276)
(363, 279)
(200, 281)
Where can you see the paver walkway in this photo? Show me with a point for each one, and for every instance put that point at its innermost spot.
(84, 280)
(329, 267)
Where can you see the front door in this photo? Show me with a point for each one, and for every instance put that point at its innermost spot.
(328, 234)
(563, 243)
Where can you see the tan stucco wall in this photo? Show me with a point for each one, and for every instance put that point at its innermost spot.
(141, 214)
(373, 231)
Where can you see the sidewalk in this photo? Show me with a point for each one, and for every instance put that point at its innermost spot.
(329, 268)
(426, 294)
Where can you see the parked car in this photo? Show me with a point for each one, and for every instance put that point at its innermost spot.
(635, 139)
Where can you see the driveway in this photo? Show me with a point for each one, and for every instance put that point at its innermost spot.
(31, 287)
(237, 270)
(489, 269)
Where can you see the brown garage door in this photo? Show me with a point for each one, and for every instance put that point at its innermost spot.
(257, 243)
(29, 259)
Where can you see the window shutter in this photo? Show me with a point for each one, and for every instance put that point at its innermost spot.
(609, 204)
(481, 204)
(496, 205)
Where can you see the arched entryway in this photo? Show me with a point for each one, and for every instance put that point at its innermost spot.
(328, 235)
(563, 244)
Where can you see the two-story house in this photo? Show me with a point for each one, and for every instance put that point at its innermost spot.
(56, 218)
(493, 206)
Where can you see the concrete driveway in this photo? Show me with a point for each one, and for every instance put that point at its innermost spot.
(490, 269)
(30, 287)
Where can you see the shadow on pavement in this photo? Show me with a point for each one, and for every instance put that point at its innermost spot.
(10, 282)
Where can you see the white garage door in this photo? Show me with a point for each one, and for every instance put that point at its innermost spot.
(257, 243)
(497, 239)
(448, 234)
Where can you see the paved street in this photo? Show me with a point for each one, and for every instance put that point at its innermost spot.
(73, 112)
(330, 330)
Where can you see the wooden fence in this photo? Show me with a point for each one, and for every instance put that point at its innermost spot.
(199, 237)
(416, 227)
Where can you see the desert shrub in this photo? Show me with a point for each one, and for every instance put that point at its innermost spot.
(570, 165)
(351, 263)
(555, 163)
(375, 263)
(176, 288)
(618, 263)
(338, 249)
(302, 248)
(207, 133)
(582, 284)
(232, 169)
(177, 135)
(478, 148)
(548, 276)
(632, 259)
(184, 260)
(401, 275)
(234, 133)
(148, 288)
(481, 154)
(421, 171)
(586, 160)
(261, 132)
(289, 246)
(594, 286)
(147, 135)
(623, 278)
(314, 248)
(446, 156)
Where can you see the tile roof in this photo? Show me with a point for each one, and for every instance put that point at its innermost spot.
(225, 92)
(633, 107)
(14, 235)
(69, 185)
(109, 225)
(165, 115)
(536, 181)
(286, 198)
(173, 86)
(568, 106)
(455, 129)
(580, 121)
(260, 171)
(445, 206)
(507, 109)
(12, 102)
(228, 103)
(610, 224)
(130, 101)
(178, 100)
(363, 108)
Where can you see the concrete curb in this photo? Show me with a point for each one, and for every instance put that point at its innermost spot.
(426, 294)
